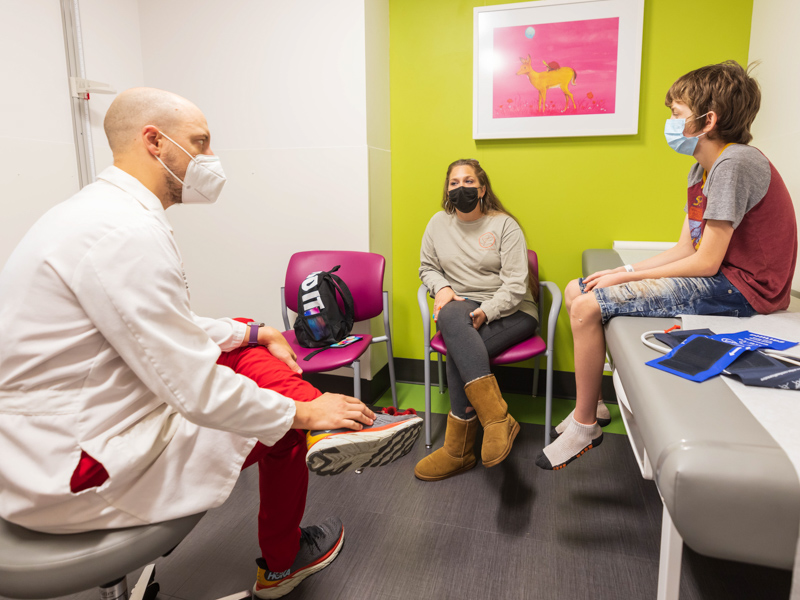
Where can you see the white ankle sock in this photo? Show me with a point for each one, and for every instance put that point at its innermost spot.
(602, 410)
(602, 413)
(572, 443)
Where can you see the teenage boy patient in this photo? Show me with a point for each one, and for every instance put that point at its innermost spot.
(735, 256)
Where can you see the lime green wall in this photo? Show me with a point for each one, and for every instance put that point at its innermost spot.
(569, 193)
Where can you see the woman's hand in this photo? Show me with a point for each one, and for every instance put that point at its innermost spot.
(478, 318)
(277, 345)
(443, 296)
(608, 279)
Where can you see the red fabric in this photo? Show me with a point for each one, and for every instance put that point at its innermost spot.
(282, 471)
(762, 252)
(88, 474)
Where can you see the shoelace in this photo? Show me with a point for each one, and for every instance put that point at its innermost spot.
(310, 535)
(392, 411)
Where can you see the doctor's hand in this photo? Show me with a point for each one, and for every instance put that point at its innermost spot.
(478, 318)
(277, 345)
(332, 411)
(443, 296)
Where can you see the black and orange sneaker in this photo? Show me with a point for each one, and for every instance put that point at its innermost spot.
(392, 435)
(319, 545)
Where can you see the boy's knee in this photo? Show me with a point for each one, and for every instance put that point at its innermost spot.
(585, 309)
(572, 291)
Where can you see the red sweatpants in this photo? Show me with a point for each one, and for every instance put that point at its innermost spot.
(282, 471)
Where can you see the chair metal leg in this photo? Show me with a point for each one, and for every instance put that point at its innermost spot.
(146, 588)
(441, 373)
(116, 590)
(357, 379)
(388, 333)
(427, 370)
(548, 398)
(392, 380)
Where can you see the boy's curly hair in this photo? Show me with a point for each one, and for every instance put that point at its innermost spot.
(727, 90)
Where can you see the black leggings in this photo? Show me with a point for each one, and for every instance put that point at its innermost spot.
(469, 349)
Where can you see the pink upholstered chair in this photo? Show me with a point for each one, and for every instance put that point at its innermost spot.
(363, 274)
(530, 348)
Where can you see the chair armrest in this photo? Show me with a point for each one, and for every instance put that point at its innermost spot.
(555, 309)
(284, 310)
(425, 311)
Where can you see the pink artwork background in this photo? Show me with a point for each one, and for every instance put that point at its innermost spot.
(588, 47)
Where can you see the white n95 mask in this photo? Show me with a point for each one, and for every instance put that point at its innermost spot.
(204, 177)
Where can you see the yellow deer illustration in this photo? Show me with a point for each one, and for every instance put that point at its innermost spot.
(560, 77)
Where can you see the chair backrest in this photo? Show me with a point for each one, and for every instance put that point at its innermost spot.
(533, 262)
(533, 267)
(361, 271)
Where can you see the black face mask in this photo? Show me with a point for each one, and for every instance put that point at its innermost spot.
(465, 199)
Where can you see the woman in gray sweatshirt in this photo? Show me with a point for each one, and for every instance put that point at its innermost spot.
(474, 262)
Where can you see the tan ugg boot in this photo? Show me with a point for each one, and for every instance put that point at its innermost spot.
(456, 456)
(499, 427)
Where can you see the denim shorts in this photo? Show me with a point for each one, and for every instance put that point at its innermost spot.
(670, 297)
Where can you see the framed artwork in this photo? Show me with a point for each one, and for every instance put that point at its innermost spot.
(557, 68)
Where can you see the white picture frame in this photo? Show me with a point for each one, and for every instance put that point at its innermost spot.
(580, 34)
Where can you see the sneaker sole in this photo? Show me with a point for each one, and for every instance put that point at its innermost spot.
(338, 453)
(293, 581)
(595, 442)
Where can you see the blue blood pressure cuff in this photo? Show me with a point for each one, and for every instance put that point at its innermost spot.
(698, 358)
(700, 354)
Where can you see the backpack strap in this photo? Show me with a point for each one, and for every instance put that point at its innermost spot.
(347, 297)
(315, 352)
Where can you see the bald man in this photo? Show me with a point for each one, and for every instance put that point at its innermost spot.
(118, 405)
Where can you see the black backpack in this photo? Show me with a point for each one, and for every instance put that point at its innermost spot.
(320, 322)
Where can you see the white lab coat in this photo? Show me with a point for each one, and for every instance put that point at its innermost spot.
(99, 351)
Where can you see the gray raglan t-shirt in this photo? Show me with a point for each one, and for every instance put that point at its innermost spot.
(738, 180)
(485, 260)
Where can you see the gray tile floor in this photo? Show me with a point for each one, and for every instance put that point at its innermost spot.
(591, 531)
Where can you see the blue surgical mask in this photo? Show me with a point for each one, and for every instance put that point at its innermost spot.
(673, 131)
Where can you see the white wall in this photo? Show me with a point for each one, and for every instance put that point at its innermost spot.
(777, 127)
(284, 88)
(112, 50)
(379, 143)
(303, 138)
(37, 146)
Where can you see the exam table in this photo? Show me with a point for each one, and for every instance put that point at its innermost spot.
(729, 490)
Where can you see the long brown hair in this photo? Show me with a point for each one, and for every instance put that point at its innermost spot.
(488, 204)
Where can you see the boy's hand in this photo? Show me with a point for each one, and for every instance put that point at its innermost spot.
(443, 296)
(609, 279)
(599, 274)
(332, 411)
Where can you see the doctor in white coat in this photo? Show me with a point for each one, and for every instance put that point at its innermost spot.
(103, 360)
